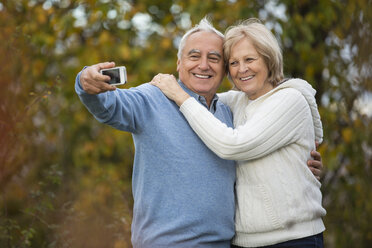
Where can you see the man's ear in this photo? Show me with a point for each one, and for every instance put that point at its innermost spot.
(178, 65)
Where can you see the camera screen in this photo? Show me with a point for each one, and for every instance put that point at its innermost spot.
(114, 75)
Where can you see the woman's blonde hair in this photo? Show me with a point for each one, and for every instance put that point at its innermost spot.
(263, 40)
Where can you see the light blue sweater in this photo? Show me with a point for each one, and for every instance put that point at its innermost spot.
(183, 193)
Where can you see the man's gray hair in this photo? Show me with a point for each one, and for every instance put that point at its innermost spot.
(204, 25)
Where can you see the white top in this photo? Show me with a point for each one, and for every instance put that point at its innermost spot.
(278, 197)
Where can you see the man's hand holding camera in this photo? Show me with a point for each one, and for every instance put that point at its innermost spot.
(93, 82)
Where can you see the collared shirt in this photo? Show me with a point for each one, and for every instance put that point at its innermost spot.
(201, 99)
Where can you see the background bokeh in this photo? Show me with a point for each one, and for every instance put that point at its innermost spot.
(65, 179)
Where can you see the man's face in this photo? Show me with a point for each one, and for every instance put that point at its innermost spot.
(201, 66)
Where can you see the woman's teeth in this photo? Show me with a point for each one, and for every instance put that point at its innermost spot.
(246, 78)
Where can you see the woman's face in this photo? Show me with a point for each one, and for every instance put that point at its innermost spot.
(248, 69)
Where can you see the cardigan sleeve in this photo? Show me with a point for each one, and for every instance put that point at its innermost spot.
(276, 122)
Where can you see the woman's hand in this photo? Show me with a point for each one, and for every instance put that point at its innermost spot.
(169, 86)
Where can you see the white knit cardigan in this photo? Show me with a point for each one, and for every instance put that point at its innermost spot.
(278, 198)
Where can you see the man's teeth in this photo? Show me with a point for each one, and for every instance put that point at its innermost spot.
(246, 78)
(202, 76)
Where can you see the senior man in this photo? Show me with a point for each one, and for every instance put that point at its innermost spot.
(183, 193)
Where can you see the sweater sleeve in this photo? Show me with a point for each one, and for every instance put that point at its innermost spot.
(229, 98)
(274, 124)
(123, 109)
(308, 92)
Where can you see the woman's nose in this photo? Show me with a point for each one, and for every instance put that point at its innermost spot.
(243, 67)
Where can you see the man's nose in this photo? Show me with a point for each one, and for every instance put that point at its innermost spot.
(204, 64)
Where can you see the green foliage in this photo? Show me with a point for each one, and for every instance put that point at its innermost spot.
(65, 179)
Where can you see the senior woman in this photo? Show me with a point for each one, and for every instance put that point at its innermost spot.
(279, 202)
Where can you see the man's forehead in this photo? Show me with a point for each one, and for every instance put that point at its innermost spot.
(204, 37)
(204, 40)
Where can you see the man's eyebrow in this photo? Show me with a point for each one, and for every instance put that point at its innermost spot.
(215, 53)
(193, 51)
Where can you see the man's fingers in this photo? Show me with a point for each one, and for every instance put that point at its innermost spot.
(316, 155)
(99, 88)
(93, 82)
(105, 65)
(317, 173)
(91, 89)
(95, 73)
(314, 163)
(105, 87)
(98, 77)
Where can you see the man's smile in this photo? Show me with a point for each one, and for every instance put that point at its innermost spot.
(202, 76)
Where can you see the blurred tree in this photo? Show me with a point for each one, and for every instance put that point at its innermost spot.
(65, 179)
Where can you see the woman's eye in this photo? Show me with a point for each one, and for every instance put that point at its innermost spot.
(233, 63)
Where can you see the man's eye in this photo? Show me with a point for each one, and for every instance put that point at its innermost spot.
(214, 59)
